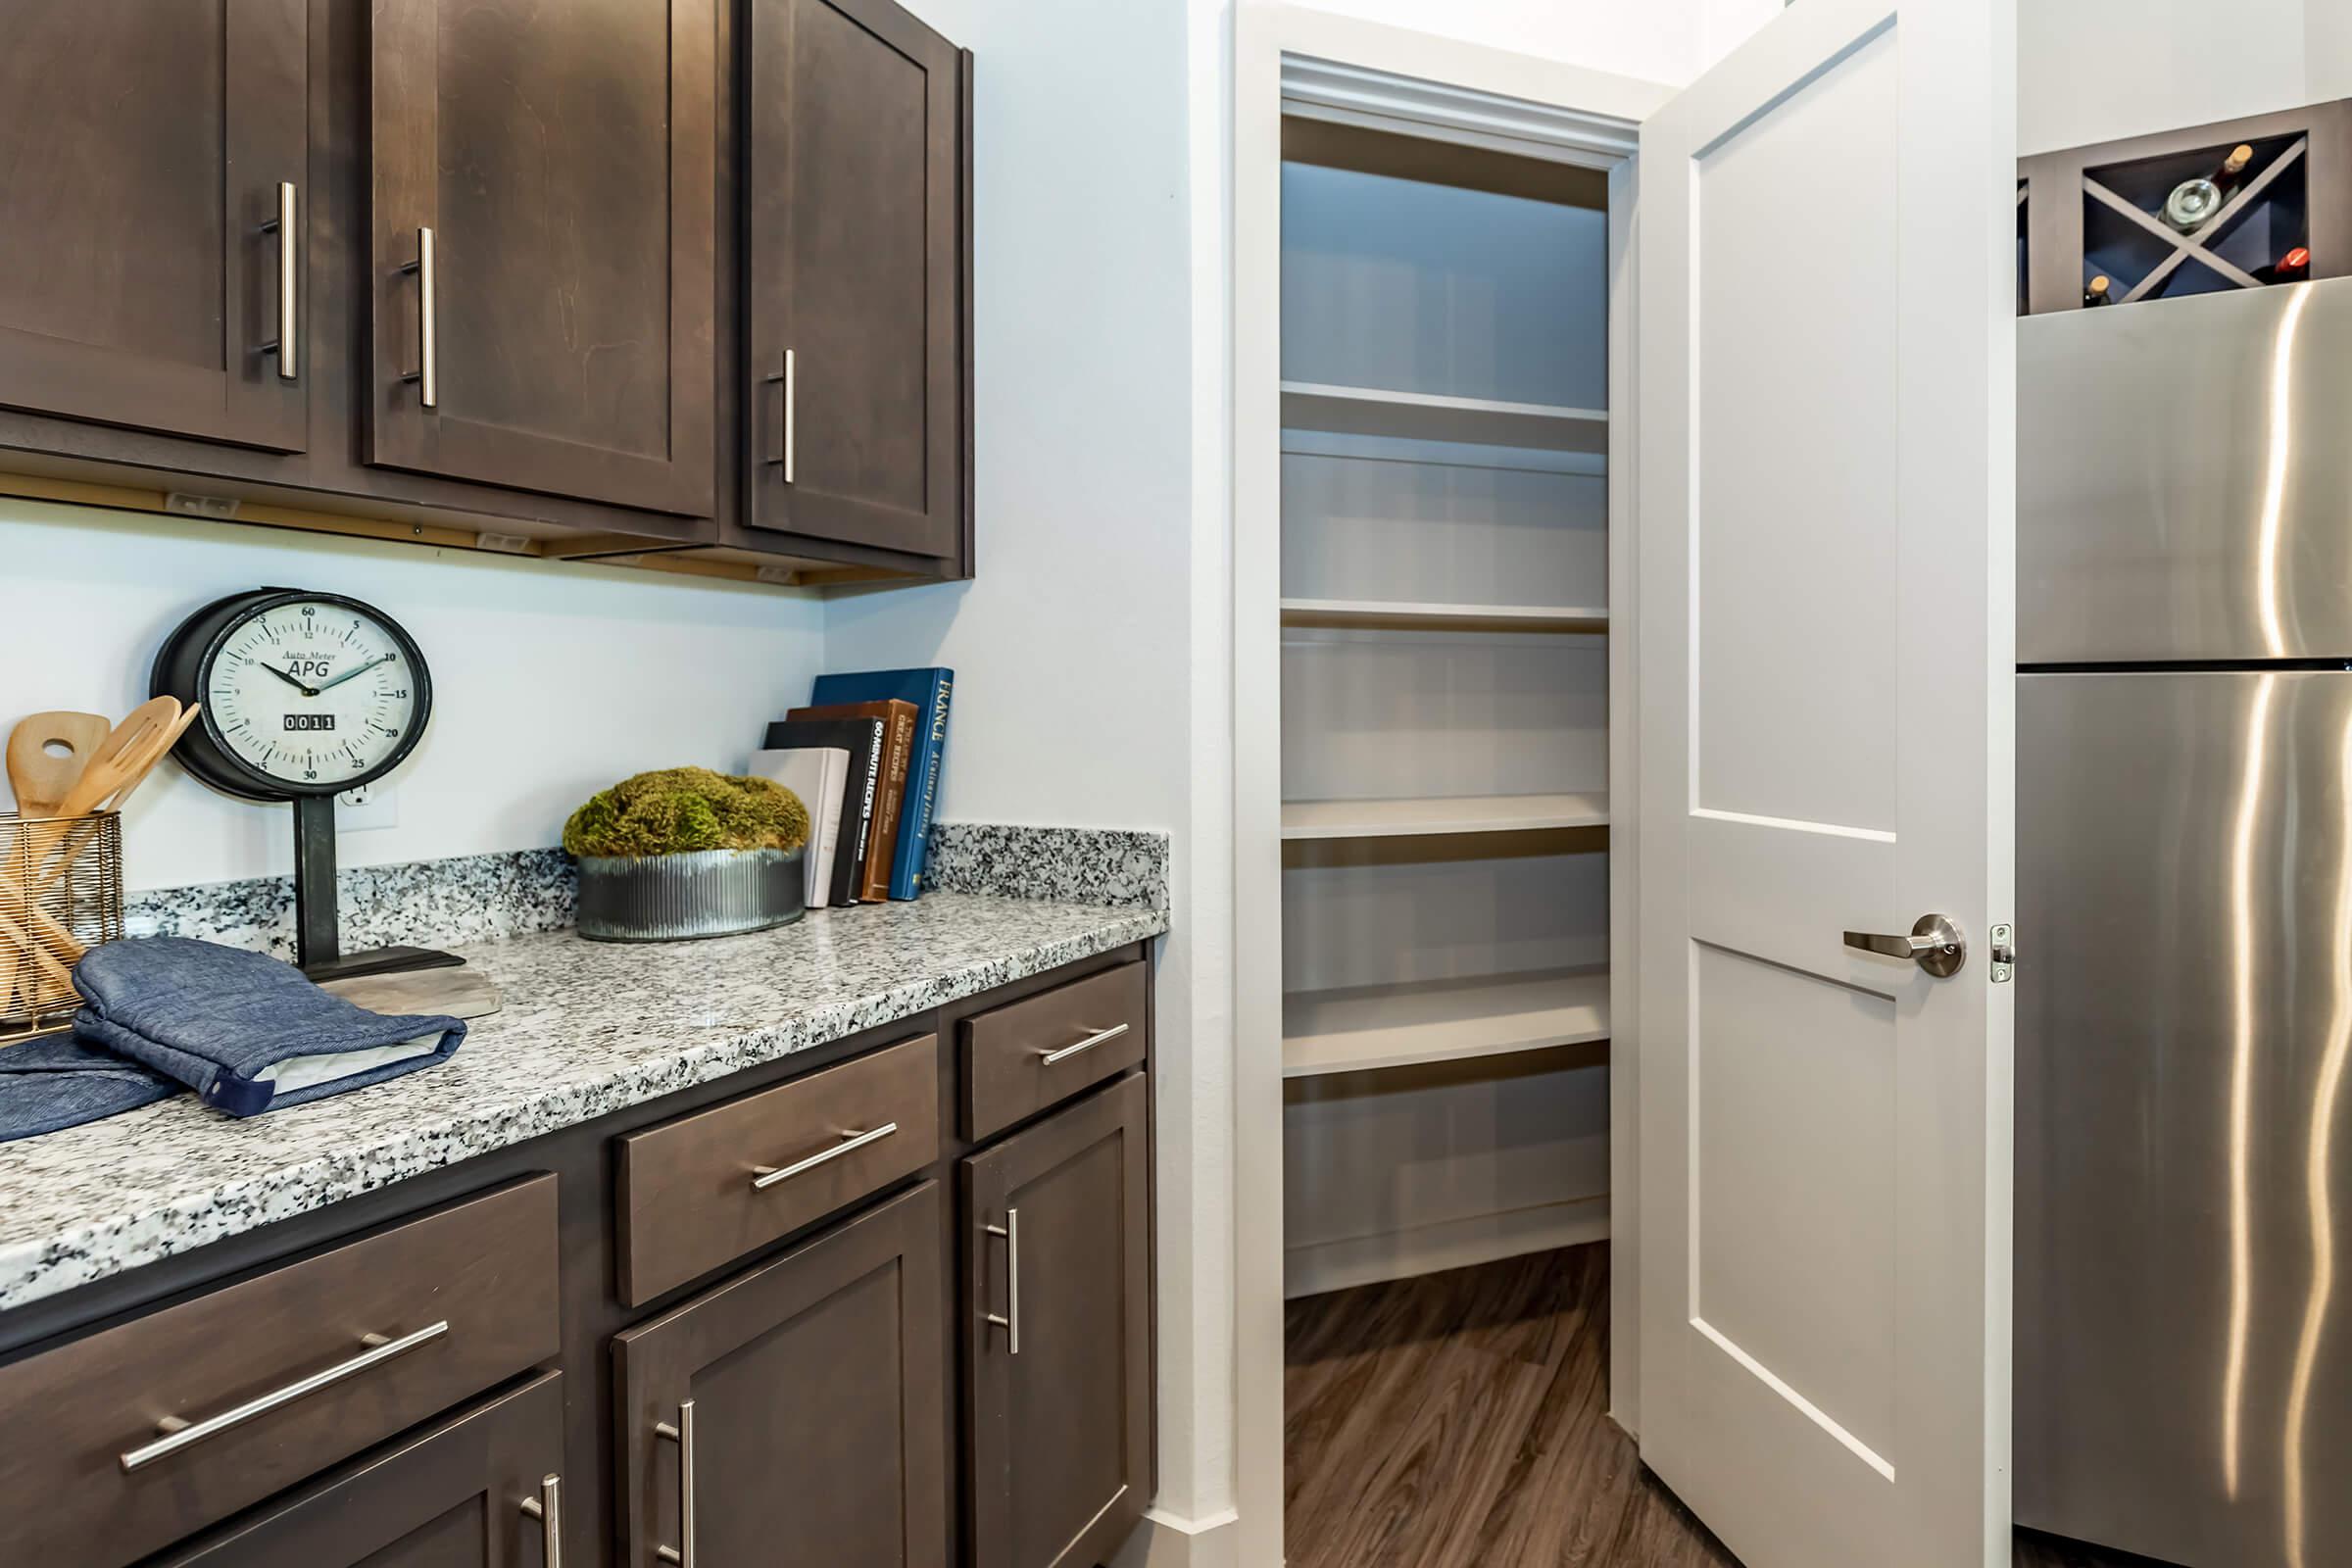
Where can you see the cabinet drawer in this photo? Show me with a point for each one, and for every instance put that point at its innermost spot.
(1028, 1055)
(706, 1189)
(274, 1377)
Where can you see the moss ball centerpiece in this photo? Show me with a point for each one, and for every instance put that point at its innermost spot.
(684, 852)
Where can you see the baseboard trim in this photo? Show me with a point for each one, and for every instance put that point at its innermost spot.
(1321, 1266)
(1164, 1540)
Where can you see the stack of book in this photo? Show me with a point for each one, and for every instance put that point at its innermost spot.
(864, 757)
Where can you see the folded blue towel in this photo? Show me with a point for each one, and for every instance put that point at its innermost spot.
(57, 1081)
(245, 1031)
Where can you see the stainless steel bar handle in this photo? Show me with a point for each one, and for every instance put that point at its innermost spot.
(427, 374)
(785, 376)
(765, 1176)
(1009, 1320)
(1088, 1044)
(180, 1434)
(1935, 944)
(286, 345)
(548, 1509)
(683, 1436)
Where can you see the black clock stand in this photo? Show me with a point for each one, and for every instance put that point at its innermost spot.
(317, 910)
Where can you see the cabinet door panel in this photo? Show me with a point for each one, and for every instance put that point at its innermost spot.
(563, 157)
(817, 1424)
(1060, 1439)
(450, 1498)
(145, 149)
(853, 263)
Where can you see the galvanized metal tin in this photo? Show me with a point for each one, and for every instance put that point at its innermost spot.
(677, 898)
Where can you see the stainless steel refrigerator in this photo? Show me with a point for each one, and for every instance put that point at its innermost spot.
(2183, 1293)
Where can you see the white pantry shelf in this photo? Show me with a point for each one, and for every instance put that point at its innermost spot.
(1410, 616)
(1468, 813)
(1444, 1021)
(1430, 417)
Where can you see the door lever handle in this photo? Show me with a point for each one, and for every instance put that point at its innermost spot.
(1935, 944)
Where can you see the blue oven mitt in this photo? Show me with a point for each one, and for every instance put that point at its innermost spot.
(57, 1081)
(245, 1031)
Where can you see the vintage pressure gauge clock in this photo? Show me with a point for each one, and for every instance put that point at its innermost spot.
(305, 695)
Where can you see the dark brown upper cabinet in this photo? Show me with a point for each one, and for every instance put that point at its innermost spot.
(543, 185)
(797, 1412)
(147, 271)
(1058, 1319)
(855, 257)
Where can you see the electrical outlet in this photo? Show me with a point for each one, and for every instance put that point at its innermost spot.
(371, 805)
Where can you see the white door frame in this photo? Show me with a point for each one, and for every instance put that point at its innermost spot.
(1292, 59)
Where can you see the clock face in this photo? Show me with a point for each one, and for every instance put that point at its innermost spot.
(315, 691)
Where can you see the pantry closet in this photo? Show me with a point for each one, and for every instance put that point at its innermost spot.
(1445, 774)
(1427, 912)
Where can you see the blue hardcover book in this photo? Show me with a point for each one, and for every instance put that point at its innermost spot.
(927, 690)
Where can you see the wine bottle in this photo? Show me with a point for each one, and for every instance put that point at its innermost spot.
(2100, 290)
(2233, 168)
(2192, 203)
(2292, 268)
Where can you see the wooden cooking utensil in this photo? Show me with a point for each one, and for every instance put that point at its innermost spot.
(124, 773)
(139, 765)
(115, 763)
(41, 779)
(16, 904)
(42, 958)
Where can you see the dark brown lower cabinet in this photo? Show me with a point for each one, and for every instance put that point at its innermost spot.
(796, 1412)
(453, 1496)
(1058, 1319)
(505, 1363)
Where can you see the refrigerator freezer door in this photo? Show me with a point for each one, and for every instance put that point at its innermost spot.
(2184, 479)
(2184, 1331)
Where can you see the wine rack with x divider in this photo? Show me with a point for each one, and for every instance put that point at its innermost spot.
(2239, 204)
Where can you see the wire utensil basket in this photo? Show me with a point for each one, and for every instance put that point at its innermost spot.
(61, 893)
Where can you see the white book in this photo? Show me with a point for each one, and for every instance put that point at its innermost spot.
(819, 775)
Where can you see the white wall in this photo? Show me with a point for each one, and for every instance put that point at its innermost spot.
(550, 681)
(1725, 24)
(1670, 42)
(1655, 41)
(1076, 659)
(2328, 50)
(2090, 70)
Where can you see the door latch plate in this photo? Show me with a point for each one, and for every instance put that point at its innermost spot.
(2004, 953)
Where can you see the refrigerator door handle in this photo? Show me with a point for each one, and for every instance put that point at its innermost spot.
(1935, 943)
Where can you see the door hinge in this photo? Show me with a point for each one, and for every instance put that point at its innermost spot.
(2004, 953)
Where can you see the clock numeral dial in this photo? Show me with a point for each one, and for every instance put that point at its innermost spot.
(311, 693)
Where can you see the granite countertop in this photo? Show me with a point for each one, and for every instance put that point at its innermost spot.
(587, 1028)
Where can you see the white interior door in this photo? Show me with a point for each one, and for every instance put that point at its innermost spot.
(1826, 641)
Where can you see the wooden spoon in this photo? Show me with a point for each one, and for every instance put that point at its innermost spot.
(142, 763)
(113, 766)
(125, 771)
(46, 754)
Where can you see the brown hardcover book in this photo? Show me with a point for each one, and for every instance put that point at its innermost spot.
(897, 749)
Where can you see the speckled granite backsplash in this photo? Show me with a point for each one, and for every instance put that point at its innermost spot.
(478, 898)
(1067, 865)
(467, 898)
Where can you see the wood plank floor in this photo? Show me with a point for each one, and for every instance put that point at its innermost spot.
(1459, 1420)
